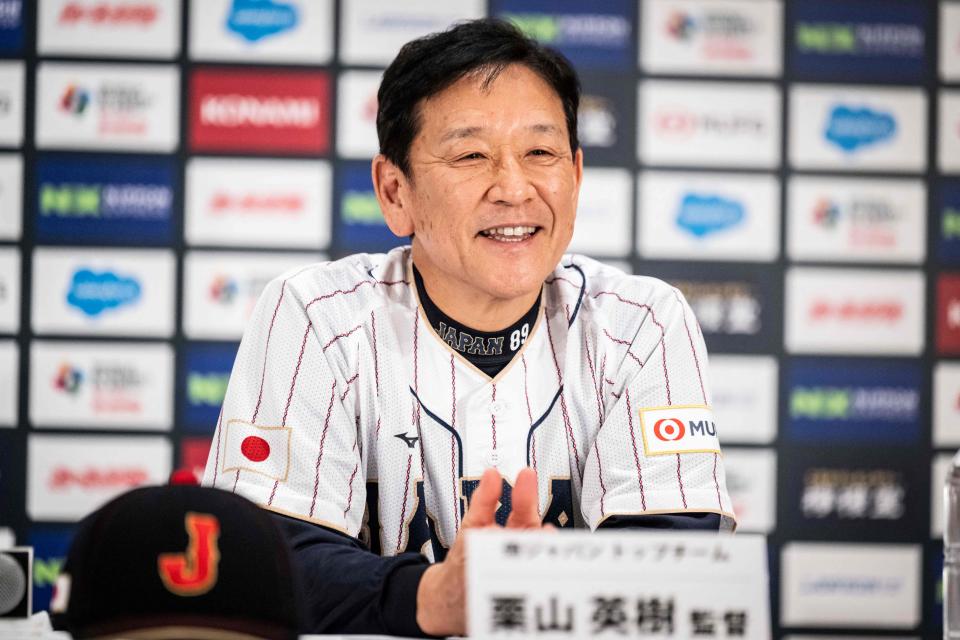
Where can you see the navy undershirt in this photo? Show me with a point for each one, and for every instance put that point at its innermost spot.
(489, 351)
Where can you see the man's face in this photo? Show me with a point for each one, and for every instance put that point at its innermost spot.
(494, 184)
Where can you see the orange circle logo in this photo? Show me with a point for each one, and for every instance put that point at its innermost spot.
(668, 429)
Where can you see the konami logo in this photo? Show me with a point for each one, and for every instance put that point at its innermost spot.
(681, 429)
(125, 13)
(256, 111)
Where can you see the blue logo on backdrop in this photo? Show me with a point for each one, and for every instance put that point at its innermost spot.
(851, 128)
(50, 547)
(880, 39)
(863, 401)
(703, 215)
(254, 20)
(949, 236)
(361, 226)
(11, 25)
(105, 201)
(93, 292)
(593, 37)
(206, 371)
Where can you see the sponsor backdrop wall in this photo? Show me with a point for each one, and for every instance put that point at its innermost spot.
(793, 167)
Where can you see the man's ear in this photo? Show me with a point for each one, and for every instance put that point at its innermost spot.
(392, 188)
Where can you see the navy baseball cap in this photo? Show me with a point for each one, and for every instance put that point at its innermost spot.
(178, 562)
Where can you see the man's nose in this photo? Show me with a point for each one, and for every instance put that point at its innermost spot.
(511, 184)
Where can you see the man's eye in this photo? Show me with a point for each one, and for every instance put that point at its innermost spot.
(471, 156)
(540, 152)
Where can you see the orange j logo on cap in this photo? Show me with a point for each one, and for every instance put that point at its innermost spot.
(193, 572)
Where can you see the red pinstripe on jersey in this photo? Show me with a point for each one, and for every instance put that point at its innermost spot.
(636, 454)
(323, 440)
(572, 441)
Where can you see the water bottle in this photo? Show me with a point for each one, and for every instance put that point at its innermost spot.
(951, 552)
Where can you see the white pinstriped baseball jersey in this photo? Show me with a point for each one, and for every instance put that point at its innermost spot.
(346, 409)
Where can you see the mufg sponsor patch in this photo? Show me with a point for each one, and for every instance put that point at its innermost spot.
(680, 429)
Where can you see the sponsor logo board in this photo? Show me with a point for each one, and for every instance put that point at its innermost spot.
(193, 455)
(113, 200)
(357, 114)
(105, 385)
(706, 124)
(948, 204)
(359, 225)
(592, 36)
(372, 31)
(948, 144)
(261, 203)
(744, 397)
(849, 40)
(606, 120)
(948, 314)
(50, 548)
(603, 213)
(861, 129)
(856, 220)
(12, 102)
(103, 292)
(9, 382)
(752, 482)
(260, 111)
(11, 25)
(711, 37)
(850, 585)
(939, 468)
(104, 28)
(109, 107)
(222, 288)
(9, 290)
(206, 372)
(853, 401)
(288, 31)
(716, 216)
(946, 404)
(70, 476)
(854, 311)
(949, 41)
(11, 196)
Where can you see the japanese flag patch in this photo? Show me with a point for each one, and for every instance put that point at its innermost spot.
(263, 450)
(678, 429)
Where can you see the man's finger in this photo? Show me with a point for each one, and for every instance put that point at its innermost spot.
(524, 511)
(483, 503)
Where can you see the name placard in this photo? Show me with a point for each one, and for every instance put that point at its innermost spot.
(617, 584)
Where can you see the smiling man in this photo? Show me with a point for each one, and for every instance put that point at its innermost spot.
(381, 405)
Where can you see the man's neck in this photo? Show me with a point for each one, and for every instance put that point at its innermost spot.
(470, 306)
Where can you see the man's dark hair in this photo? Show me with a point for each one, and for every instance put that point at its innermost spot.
(428, 65)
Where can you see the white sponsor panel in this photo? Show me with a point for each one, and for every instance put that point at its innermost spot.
(372, 31)
(119, 292)
(101, 385)
(70, 476)
(752, 483)
(357, 114)
(857, 129)
(939, 469)
(603, 213)
(678, 429)
(949, 41)
(711, 37)
(708, 216)
(946, 404)
(9, 290)
(109, 107)
(109, 28)
(258, 203)
(948, 143)
(11, 103)
(292, 31)
(850, 585)
(11, 196)
(744, 397)
(705, 124)
(221, 289)
(9, 382)
(856, 219)
(854, 311)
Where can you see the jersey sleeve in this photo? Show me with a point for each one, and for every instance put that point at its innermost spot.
(657, 451)
(284, 439)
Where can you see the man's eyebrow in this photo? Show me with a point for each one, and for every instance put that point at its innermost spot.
(468, 132)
